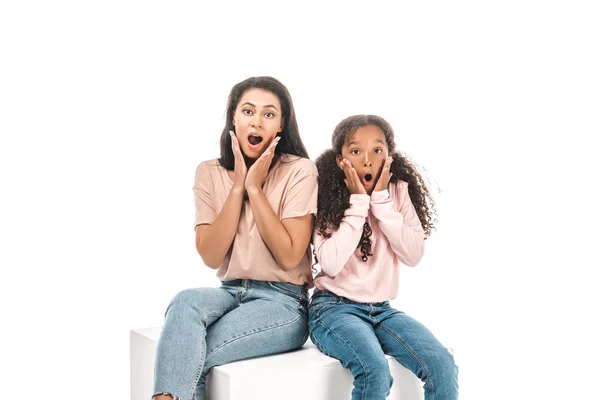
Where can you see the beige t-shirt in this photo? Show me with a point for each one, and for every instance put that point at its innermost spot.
(290, 188)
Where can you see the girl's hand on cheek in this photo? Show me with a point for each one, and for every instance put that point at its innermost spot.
(352, 180)
(384, 178)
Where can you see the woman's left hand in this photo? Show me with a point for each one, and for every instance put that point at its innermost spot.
(384, 178)
(259, 170)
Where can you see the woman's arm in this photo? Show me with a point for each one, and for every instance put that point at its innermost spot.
(214, 240)
(287, 239)
(333, 253)
(401, 227)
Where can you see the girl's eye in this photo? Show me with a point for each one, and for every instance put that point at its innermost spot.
(247, 111)
(355, 152)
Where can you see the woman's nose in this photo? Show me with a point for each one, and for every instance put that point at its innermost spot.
(257, 121)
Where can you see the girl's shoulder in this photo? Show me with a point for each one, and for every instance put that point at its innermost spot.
(398, 192)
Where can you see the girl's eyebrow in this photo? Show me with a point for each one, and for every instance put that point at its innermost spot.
(252, 105)
(355, 143)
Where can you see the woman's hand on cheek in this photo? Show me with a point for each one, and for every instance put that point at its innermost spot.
(384, 178)
(352, 180)
(259, 170)
(240, 168)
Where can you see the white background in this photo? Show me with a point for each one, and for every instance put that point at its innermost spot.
(107, 107)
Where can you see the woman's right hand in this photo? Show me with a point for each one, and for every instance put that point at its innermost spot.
(240, 168)
(352, 180)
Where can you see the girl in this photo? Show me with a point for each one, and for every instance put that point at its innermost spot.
(373, 214)
(254, 218)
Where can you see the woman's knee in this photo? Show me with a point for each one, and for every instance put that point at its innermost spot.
(186, 297)
(188, 302)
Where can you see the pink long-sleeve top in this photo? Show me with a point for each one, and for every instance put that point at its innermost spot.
(398, 237)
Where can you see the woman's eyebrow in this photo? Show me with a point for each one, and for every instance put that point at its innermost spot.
(268, 105)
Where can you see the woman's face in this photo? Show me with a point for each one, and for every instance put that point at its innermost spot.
(367, 151)
(257, 120)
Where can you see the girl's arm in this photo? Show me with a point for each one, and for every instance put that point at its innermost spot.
(333, 253)
(401, 227)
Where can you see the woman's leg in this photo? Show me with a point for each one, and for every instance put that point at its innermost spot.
(343, 331)
(266, 322)
(415, 347)
(182, 345)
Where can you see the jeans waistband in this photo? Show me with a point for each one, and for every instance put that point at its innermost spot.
(292, 288)
(327, 294)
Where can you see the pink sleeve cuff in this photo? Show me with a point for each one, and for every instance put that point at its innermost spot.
(380, 197)
(359, 205)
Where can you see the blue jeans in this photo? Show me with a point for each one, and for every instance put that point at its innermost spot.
(360, 334)
(207, 327)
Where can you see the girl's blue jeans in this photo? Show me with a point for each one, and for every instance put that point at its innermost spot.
(241, 319)
(360, 334)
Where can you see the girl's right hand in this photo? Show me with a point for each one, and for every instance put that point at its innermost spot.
(240, 168)
(352, 180)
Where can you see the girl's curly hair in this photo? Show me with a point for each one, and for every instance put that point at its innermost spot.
(334, 195)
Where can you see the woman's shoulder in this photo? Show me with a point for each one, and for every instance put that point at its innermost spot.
(298, 164)
(209, 167)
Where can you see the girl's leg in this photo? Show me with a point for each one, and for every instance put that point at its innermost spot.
(343, 331)
(182, 345)
(267, 322)
(415, 347)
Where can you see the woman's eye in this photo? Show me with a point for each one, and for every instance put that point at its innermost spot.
(355, 152)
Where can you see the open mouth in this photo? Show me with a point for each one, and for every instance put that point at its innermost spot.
(254, 139)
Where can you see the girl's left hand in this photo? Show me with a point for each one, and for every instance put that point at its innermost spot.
(259, 170)
(384, 178)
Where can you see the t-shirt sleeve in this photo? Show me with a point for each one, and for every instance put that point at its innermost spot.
(203, 196)
(301, 197)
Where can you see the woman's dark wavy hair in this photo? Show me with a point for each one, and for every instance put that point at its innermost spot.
(290, 141)
(334, 195)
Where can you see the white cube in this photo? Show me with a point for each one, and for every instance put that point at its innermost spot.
(298, 375)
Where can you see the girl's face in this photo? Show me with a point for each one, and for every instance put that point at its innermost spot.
(257, 120)
(367, 151)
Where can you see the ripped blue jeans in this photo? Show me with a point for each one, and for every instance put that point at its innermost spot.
(207, 327)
